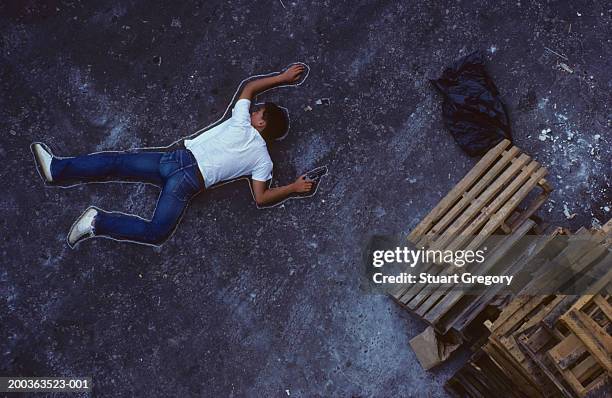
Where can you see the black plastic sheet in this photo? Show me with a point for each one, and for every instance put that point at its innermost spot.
(472, 109)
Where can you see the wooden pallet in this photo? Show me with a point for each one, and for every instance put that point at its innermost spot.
(551, 345)
(522, 325)
(484, 202)
(584, 356)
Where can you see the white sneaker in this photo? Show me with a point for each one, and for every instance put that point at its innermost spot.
(82, 227)
(43, 158)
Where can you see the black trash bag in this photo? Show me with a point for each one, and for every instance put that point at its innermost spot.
(472, 109)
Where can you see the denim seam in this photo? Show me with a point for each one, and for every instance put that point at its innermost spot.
(193, 183)
(174, 191)
(176, 171)
(189, 178)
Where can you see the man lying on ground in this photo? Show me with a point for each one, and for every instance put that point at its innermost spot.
(237, 147)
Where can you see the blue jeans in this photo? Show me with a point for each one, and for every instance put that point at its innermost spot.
(176, 172)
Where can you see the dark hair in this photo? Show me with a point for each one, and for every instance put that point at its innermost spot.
(277, 122)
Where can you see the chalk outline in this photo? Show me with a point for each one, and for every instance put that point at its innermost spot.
(200, 131)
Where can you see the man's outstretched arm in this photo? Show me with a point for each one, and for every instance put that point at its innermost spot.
(291, 76)
(265, 196)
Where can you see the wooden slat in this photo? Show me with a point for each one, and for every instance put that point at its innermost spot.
(516, 305)
(550, 372)
(508, 349)
(533, 207)
(488, 216)
(566, 358)
(479, 203)
(518, 317)
(398, 291)
(507, 209)
(586, 369)
(565, 354)
(409, 294)
(551, 318)
(419, 292)
(532, 344)
(536, 317)
(545, 369)
(600, 387)
(422, 295)
(425, 300)
(470, 195)
(583, 301)
(571, 379)
(458, 190)
(597, 341)
(433, 269)
(538, 339)
(604, 306)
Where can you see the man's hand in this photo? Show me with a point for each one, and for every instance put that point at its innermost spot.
(293, 74)
(301, 185)
(265, 196)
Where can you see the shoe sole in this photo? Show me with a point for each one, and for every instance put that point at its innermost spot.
(82, 237)
(39, 161)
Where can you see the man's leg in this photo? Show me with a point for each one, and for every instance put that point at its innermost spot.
(173, 200)
(138, 166)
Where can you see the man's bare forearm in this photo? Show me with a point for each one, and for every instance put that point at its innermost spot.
(272, 195)
(290, 76)
(252, 88)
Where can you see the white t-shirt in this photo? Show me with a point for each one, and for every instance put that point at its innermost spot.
(232, 149)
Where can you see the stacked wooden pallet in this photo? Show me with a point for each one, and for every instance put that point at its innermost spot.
(551, 344)
(484, 202)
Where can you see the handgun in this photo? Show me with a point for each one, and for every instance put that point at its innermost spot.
(314, 176)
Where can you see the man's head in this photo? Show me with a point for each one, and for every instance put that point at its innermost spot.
(270, 120)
